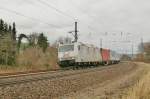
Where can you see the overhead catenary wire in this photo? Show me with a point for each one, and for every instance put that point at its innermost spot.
(64, 14)
(56, 9)
(39, 20)
(28, 17)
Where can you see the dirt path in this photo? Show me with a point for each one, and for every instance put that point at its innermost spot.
(112, 88)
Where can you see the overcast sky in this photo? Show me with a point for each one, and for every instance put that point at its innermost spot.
(95, 18)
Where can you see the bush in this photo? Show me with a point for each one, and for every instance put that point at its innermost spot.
(35, 58)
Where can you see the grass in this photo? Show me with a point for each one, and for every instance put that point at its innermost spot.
(33, 59)
(12, 69)
(141, 90)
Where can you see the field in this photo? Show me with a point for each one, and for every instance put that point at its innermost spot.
(141, 90)
(126, 80)
(132, 84)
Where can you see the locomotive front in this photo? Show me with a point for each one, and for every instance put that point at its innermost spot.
(66, 54)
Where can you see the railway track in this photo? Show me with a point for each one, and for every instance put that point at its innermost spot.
(44, 75)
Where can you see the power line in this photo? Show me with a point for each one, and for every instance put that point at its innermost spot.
(54, 8)
(39, 20)
(28, 17)
(61, 12)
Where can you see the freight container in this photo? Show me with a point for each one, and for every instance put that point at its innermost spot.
(114, 57)
(105, 53)
(88, 53)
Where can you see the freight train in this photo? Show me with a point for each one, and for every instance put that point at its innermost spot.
(80, 54)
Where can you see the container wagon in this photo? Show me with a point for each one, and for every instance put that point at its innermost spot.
(105, 53)
(115, 57)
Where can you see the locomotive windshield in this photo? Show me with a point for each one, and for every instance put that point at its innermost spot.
(66, 48)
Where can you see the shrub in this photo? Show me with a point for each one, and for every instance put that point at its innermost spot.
(35, 58)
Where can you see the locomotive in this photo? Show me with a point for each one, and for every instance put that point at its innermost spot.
(80, 54)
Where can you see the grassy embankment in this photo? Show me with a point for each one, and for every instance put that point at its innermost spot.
(141, 90)
(32, 59)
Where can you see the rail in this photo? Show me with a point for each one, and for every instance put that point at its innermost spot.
(44, 75)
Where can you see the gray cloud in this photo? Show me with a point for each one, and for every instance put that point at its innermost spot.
(94, 16)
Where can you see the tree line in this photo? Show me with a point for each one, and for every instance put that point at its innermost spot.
(9, 44)
(7, 28)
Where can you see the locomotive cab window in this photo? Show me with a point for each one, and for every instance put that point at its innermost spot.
(66, 48)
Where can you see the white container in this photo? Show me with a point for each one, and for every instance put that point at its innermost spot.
(114, 56)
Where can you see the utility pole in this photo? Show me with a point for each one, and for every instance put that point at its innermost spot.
(76, 32)
(142, 45)
(101, 43)
(121, 33)
(132, 51)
